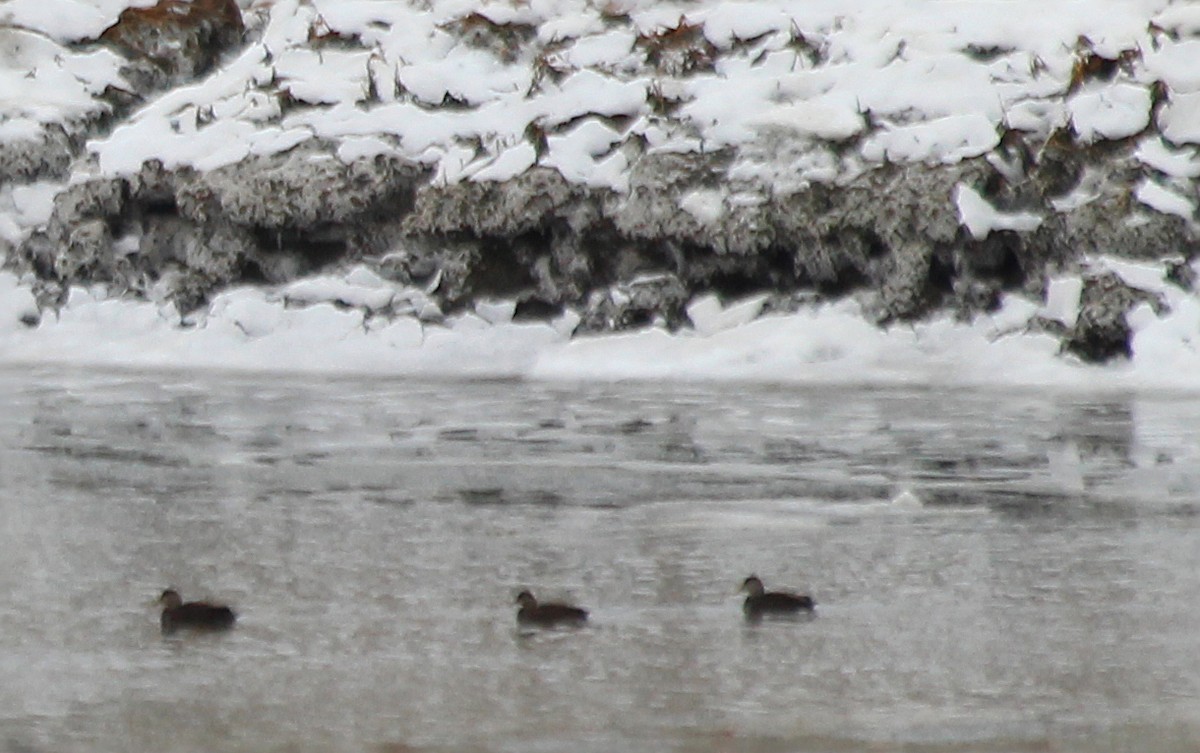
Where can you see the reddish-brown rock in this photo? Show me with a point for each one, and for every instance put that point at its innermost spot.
(183, 38)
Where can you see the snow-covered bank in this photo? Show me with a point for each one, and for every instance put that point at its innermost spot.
(330, 325)
(897, 192)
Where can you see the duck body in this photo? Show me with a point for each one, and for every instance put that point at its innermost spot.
(197, 615)
(549, 614)
(761, 603)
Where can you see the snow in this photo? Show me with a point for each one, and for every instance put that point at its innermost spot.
(709, 316)
(1110, 112)
(829, 120)
(981, 218)
(707, 205)
(1154, 152)
(325, 77)
(495, 312)
(588, 143)
(910, 69)
(1180, 119)
(26, 206)
(944, 140)
(65, 20)
(372, 295)
(1062, 300)
(44, 82)
(16, 302)
(1176, 66)
(1164, 200)
(1182, 19)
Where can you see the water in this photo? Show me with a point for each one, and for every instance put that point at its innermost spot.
(1037, 588)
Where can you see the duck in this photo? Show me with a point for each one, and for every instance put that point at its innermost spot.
(760, 602)
(193, 614)
(549, 614)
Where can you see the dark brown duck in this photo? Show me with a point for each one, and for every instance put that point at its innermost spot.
(761, 602)
(200, 615)
(546, 615)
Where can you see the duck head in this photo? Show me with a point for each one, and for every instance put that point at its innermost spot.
(752, 586)
(170, 599)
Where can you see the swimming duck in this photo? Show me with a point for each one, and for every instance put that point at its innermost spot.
(546, 615)
(761, 602)
(194, 614)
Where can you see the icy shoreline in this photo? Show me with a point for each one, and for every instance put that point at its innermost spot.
(253, 329)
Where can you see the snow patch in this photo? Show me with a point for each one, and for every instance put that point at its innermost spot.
(18, 307)
(1164, 200)
(339, 291)
(709, 316)
(1179, 120)
(1062, 300)
(823, 120)
(44, 82)
(945, 140)
(981, 218)
(1114, 111)
(496, 312)
(1155, 153)
(1141, 275)
(707, 205)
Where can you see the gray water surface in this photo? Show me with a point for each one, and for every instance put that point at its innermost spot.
(994, 571)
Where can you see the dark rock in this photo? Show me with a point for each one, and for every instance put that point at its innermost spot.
(182, 39)
(535, 309)
(153, 187)
(1102, 333)
(678, 51)
(1059, 165)
(530, 202)
(302, 189)
(636, 304)
(504, 40)
(442, 266)
(1180, 272)
(99, 198)
(88, 245)
(907, 287)
(48, 155)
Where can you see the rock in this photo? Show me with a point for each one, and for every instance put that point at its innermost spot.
(153, 187)
(1182, 274)
(651, 210)
(300, 190)
(639, 303)
(907, 288)
(442, 267)
(182, 39)
(531, 202)
(87, 247)
(48, 154)
(1101, 332)
(98, 198)
(504, 40)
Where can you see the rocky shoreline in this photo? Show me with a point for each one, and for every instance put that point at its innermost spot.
(908, 238)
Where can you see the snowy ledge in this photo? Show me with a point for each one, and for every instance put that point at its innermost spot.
(659, 169)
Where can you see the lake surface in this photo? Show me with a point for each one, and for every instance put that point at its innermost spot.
(994, 571)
